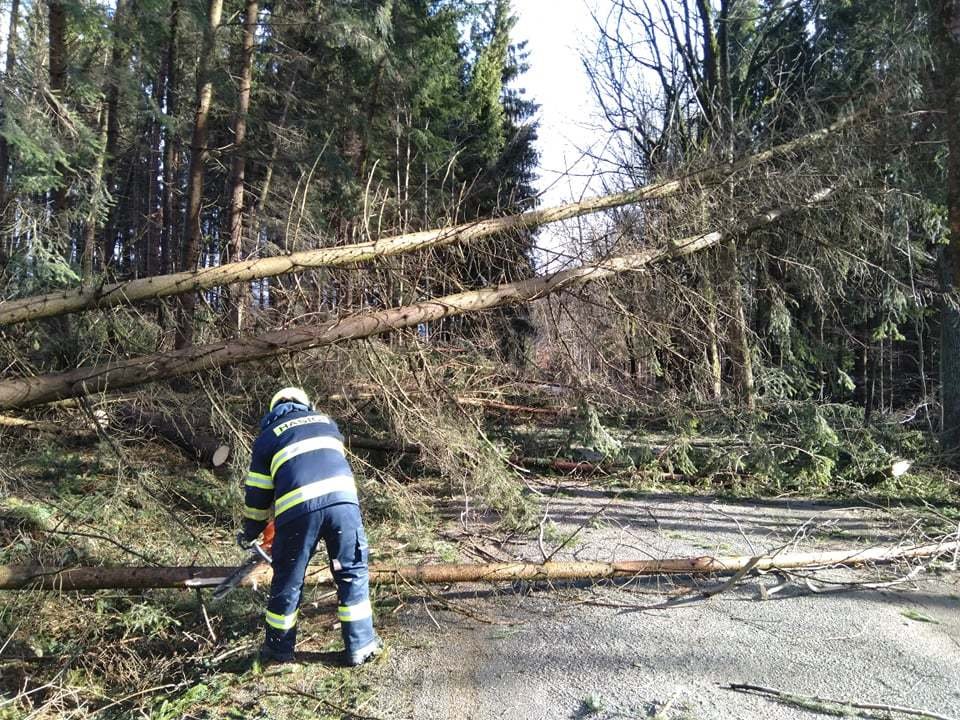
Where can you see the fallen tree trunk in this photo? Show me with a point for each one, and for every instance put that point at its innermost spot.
(15, 423)
(355, 442)
(83, 429)
(198, 443)
(840, 708)
(488, 404)
(23, 392)
(563, 466)
(567, 466)
(485, 403)
(21, 577)
(158, 286)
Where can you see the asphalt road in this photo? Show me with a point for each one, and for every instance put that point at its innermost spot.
(598, 651)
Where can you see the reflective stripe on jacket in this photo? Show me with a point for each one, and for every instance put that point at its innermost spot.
(298, 465)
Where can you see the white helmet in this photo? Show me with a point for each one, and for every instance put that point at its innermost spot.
(292, 394)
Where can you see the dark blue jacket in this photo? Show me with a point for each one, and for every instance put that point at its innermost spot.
(298, 465)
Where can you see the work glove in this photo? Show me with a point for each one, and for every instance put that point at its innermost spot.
(243, 542)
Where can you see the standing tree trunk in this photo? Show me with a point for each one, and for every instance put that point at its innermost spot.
(193, 232)
(109, 129)
(946, 43)
(256, 211)
(739, 327)
(239, 294)
(113, 134)
(715, 93)
(153, 265)
(275, 289)
(93, 214)
(171, 150)
(57, 30)
(4, 147)
(713, 344)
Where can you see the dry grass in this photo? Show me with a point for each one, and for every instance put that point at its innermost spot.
(156, 654)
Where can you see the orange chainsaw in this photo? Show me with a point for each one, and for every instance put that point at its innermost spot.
(259, 554)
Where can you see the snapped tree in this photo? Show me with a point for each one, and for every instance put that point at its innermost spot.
(113, 294)
(138, 370)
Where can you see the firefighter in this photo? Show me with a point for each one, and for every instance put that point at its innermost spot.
(299, 468)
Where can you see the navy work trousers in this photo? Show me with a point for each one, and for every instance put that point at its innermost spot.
(341, 529)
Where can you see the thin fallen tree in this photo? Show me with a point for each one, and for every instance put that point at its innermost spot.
(22, 577)
(111, 294)
(23, 392)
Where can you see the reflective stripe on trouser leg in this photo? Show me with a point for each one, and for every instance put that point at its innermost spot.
(292, 547)
(347, 548)
(282, 622)
(356, 612)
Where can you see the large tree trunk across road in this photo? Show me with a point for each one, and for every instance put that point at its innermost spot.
(23, 392)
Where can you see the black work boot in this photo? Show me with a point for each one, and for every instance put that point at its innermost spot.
(367, 652)
(268, 658)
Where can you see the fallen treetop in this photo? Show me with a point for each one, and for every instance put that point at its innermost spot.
(21, 577)
(111, 294)
(23, 392)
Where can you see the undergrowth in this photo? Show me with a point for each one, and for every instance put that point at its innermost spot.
(821, 450)
(161, 654)
(123, 500)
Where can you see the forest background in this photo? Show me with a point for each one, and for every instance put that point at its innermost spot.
(143, 140)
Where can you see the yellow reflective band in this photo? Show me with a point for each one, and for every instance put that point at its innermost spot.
(304, 446)
(259, 480)
(252, 513)
(281, 429)
(353, 613)
(282, 622)
(339, 483)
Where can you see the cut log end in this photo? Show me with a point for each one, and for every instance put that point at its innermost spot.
(220, 456)
(198, 442)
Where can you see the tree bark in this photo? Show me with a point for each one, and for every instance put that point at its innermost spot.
(135, 371)
(171, 149)
(153, 264)
(714, 361)
(239, 293)
(193, 232)
(739, 327)
(111, 146)
(79, 430)
(63, 302)
(93, 214)
(4, 147)
(259, 207)
(57, 59)
(22, 577)
(200, 444)
(946, 43)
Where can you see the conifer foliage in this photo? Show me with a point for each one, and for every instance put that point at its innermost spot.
(183, 134)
